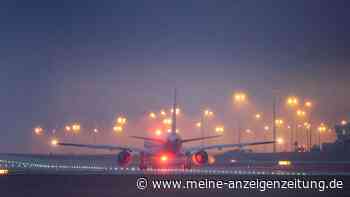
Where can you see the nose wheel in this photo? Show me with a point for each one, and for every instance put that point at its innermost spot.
(142, 164)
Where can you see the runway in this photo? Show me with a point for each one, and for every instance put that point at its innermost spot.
(34, 164)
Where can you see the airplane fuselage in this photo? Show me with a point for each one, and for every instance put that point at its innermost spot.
(173, 143)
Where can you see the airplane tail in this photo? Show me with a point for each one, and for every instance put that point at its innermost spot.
(173, 119)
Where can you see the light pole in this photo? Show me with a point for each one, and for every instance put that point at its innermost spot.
(239, 98)
(95, 133)
(309, 105)
(322, 128)
(274, 120)
(206, 114)
(300, 113)
(292, 102)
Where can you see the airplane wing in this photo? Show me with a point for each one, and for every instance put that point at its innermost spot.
(222, 146)
(160, 141)
(199, 138)
(103, 147)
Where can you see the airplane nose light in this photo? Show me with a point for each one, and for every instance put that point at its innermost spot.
(164, 158)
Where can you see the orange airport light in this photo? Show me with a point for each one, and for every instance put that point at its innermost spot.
(258, 116)
(167, 121)
(152, 115)
(38, 130)
(240, 97)
(284, 163)
(162, 112)
(219, 129)
(3, 172)
(343, 122)
(67, 128)
(54, 142)
(158, 132)
(292, 101)
(117, 129)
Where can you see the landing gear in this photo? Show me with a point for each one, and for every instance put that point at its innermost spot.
(188, 164)
(142, 164)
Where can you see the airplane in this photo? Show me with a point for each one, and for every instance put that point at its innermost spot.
(168, 152)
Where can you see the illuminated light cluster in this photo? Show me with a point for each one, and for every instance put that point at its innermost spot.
(284, 163)
(169, 130)
(177, 131)
(301, 113)
(219, 129)
(167, 121)
(76, 127)
(198, 124)
(54, 142)
(279, 122)
(38, 130)
(248, 130)
(118, 129)
(240, 97)
(177, 111)
(152, 115)
(308, 104)
(307, 125)
(292, 101)
(119, 126)
(4, 171)
(96, 130)
(322, 128)
(121, 120)
(208, 113)
(266, 128)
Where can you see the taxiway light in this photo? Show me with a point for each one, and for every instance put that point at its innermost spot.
(162, 112)
(4, 171)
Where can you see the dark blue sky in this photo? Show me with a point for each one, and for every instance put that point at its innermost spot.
(90, 60)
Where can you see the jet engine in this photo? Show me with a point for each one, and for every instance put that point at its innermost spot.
(124, 158)
(200, 158)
